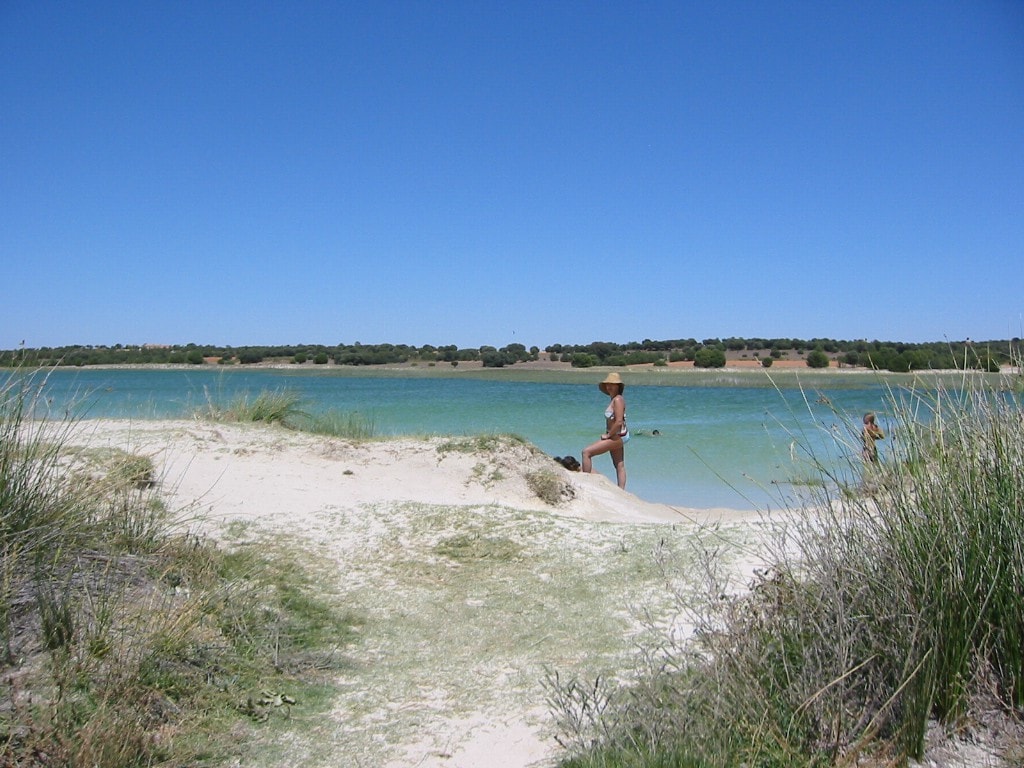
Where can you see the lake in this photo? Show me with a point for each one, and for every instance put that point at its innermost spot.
(721, 446)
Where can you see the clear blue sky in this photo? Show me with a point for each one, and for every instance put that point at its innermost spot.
(484, 173)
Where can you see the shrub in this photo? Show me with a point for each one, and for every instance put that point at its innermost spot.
(709, 357)
(817, 359)
(767, 361)
(494, 359)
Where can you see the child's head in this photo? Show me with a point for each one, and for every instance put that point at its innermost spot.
(869, 418)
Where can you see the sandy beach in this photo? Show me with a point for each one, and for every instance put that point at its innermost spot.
(455, 641)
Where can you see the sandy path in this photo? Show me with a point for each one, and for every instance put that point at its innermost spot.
(471, 586)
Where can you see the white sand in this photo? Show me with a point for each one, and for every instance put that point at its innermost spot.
(345, 497)
(269, 474)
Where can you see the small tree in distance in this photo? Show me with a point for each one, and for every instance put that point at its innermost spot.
(817, 359)
(709, 357)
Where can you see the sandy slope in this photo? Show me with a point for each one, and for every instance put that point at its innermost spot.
(267, 473)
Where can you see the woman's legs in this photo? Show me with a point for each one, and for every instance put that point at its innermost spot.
(592, 450)
(618, 458)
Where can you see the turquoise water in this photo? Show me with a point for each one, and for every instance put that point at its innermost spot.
(719, 446)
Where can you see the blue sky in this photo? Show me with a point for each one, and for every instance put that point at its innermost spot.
(484, 173)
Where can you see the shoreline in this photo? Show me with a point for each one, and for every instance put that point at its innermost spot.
(795, 374)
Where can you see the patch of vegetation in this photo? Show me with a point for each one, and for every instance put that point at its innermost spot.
(284, 407)
(892, 605)
(333, 423)
(631, 759)
(709, 357)
(549, 487)
(270, 407)
(817, 358)
(486, 474)
(479, 444)
(125, 640)
(470, 547)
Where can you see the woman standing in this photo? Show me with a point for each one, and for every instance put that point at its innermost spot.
(868, 436)
(616, 434)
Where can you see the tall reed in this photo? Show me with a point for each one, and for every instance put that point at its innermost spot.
(36, 515)
(893, 601)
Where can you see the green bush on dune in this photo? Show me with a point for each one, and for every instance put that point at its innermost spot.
(895, 607)
(283, 407)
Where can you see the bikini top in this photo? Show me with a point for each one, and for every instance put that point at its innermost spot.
(609, 413)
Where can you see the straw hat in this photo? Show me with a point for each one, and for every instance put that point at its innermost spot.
(611, 378)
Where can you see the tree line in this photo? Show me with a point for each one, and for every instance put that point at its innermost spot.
(315, 354)
(820, 353)
(706, 353)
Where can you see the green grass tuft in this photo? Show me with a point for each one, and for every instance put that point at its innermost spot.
(270, 407)
(284, 407)
(333, 423)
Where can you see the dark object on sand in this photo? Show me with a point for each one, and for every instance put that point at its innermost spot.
(569, 462)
